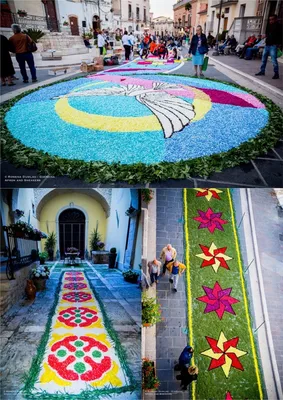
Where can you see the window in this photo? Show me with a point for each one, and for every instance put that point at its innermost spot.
(138, 13)
(33, 209)
(242, 10)
(227, 10)
(144, 14)
(130, 11)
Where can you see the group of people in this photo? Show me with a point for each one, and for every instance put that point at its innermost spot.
(170, 263)
(23, 46)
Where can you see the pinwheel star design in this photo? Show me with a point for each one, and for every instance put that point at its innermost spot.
(209, 193)
(218, 300)
(210, 220)
(214, 257)
(224, 353)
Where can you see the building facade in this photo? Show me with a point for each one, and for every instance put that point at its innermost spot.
(133, 15)
(71, 17)
(162, 26)
(73, 215)
(182, 16)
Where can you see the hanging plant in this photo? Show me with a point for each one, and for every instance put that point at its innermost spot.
(18, 213)
(147, 195)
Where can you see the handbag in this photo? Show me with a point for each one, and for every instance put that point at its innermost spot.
(205, 63)
(31, 46)
(104, 51)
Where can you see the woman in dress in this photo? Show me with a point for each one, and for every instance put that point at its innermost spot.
(198, 49)
(7, 69)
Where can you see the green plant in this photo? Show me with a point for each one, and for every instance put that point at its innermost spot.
(65, 23)
(40, 272)
(95, 240)
(151, 310)
(149, 379)
(42, 257)
(50, 242)
(113, 250)
(34, 34)
(147, 195)
(188, 6)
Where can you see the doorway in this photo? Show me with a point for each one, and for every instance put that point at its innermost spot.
(74, 26)
(72, 231)
(96, 26)
(225, 25)
(51, 15)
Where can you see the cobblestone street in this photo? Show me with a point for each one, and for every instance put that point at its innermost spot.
(23, 325)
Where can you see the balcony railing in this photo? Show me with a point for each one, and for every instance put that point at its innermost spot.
(180, 3)
(25, 22)
(225, 3)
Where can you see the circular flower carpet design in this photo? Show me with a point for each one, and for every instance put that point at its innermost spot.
(146, 119)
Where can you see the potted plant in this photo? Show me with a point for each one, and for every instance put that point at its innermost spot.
(131, 276)
(49, 245)
(95, 240)
(18, 213)
(42, 257)
(151, 311)
(22, 13)
(149, 379)
(39, 275)
(65, 23)
(147, 195)
(112, 257)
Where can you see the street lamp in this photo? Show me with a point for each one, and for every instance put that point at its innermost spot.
(216, 52)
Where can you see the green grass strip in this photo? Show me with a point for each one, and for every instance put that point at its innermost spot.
(214, 384)
(21, 156)
(29, 390)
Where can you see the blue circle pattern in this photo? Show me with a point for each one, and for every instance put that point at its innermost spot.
(34, 122)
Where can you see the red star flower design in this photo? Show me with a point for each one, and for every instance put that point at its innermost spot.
(214, 257)
(210, 220)
(218, 300)
(224, 353)
(209, 193)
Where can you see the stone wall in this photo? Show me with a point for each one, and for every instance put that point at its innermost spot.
(64, 42)
(12, 291)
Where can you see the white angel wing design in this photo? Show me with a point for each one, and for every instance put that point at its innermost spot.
(129, 90)
(172, 112)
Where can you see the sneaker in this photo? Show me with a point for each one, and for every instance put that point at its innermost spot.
(276, 76)
(171, 280)
(175, 290)
(260, 74)
(25, 81)
(34, 80)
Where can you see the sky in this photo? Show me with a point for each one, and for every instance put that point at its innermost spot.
(162, 7)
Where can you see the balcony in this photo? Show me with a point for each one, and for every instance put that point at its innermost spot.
(225, 3)
(180, 3)
(26, 22)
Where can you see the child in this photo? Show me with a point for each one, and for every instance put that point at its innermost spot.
(162, 51)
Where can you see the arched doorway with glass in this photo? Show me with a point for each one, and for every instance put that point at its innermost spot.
(72, 227)
(96, 24)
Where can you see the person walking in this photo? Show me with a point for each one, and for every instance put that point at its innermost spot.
(7, 69)
(198, 49)
(185, 358)
(20, 44)
(154, 270)
(175, 269)
(127, 45)
(273, 42)
(167, 255)
(100, 42)
(187, 376)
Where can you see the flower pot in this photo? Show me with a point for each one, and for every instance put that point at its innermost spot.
(50, 254)
(40, 284)
(30, 290)
(146, 325)
(112, 260)
(19, 234)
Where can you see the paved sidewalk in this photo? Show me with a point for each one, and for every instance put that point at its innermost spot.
(251, 67)
(172, 332)
(23, 325)
(269, 227)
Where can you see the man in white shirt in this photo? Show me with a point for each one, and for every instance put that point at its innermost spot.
(154, 270)
(126, 41)
(100, 42)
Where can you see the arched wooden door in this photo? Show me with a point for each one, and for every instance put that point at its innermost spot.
(96, 23)
(74, 26)
(51, 15)
(72, 231)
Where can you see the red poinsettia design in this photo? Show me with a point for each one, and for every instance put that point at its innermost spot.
(79, 297)
(224, 353)
(79, 358)
(214, 257)
(210, 220)
(209, 193)
(218, 300)
(78, 316)
(75, 286)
